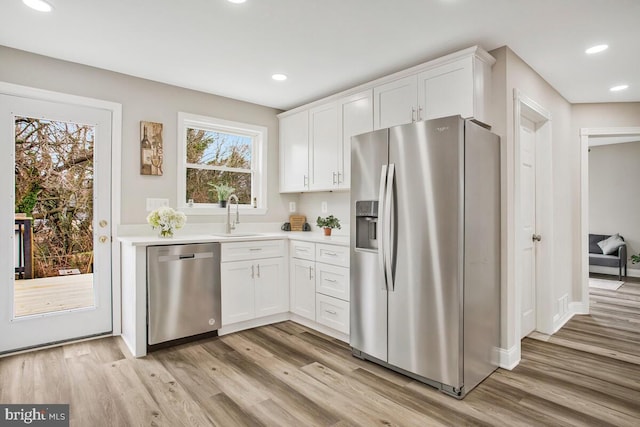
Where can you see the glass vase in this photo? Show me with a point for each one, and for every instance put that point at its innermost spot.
(166, 234)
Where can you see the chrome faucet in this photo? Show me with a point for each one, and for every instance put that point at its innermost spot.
(231, 225)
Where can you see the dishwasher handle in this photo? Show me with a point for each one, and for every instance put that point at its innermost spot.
(199, 255)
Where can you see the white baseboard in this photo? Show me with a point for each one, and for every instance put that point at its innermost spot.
(320, 328)
(254, 323)
(578, 308)
(509, 358)
(613, 271)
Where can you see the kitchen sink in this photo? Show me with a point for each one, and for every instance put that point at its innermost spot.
(232, 235)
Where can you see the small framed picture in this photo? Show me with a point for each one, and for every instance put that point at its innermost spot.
(151, 149)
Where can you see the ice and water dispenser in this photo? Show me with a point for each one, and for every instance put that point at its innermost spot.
(367, 224)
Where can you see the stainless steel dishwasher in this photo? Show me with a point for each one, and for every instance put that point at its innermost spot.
(183, 291)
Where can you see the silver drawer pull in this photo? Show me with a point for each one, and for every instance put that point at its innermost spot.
(331, 312)
(310, 271)
(331, 280)
(258, 270)
(331, 253)
(255, 249)
(252, 272)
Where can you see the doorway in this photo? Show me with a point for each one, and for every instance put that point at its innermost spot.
(533, 216)
(598, 136)
(58, 156)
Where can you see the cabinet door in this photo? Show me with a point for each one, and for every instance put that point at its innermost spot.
(237, 291)
(271, 287)
(446, 90)
(303, 288)
(395, 103)
(324, 142)
(355, 117)
(294, 152)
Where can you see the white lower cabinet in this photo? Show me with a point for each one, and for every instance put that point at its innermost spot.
(332, 312)
(303, 288)
(255, 287)
(320, 290)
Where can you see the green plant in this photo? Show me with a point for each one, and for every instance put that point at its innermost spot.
(223, 190)
(635, 259)
(328, 222)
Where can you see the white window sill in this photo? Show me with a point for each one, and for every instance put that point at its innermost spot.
(206, 210)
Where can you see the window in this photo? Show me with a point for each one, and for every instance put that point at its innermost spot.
(214, 152)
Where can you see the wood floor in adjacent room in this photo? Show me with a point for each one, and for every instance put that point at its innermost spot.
(288, 375)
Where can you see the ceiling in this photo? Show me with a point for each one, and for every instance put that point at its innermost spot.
(326, 46)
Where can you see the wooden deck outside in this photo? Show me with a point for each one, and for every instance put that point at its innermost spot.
(50, 294)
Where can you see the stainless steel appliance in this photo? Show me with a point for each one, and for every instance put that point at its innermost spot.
(183, 291)
(425, 251)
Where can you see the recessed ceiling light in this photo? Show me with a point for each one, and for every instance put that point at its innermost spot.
(596, 49)
(236, 1)
(279, 77)
(619, 88)
(39, 5)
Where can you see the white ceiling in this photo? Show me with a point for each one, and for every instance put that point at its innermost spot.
(325, 46)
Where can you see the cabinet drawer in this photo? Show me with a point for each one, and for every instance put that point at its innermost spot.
(332, 281)
(332, 254)
(302, 250)
(333, 313)
(239, 251)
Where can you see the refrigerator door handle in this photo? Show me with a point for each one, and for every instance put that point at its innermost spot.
(381, 253)
(388, 229)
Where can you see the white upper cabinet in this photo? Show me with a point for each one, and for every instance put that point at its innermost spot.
(355, 117)
(324, 143)
(294, 152)
(458, 87)
(395, 103)
(315, 140)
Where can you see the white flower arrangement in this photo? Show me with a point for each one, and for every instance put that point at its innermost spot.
(166, 219)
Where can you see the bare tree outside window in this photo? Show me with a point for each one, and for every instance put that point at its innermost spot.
(54, 185)
(214, 158)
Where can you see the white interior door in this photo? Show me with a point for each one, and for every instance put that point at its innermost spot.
(528, 215)
(39, 327)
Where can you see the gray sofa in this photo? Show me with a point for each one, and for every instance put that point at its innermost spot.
(617, 259)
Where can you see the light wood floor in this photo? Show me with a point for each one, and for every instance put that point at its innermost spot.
(49, 294)
(588, 374)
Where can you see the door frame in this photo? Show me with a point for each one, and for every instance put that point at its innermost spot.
(585, 133)
(116, 167)
(525, 106)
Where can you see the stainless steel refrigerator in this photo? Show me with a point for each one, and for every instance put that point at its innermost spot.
(425, 251)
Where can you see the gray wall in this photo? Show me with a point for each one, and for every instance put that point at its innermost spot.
(511, 72)
(613, 181)
(150, 101)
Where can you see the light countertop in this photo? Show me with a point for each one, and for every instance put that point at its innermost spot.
(179, 238)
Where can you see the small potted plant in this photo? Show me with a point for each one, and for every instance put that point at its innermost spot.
(328, 224)
(223, 190)
(635, 259)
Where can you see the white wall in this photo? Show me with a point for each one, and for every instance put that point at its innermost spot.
(150, 101)
(613, 206)
(310, 204)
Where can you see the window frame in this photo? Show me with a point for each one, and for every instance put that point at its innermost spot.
(259, 138)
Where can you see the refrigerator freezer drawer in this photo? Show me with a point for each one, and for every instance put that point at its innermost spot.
(332, 254)
(332, 281)
(333, 313)
(302, 250)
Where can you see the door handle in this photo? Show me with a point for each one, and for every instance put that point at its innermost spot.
(258, 270)
(536, 237)
(381, 243)
(334, 178)
(310, 272)
(253, 272)
(413, 115)
(388, 238)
